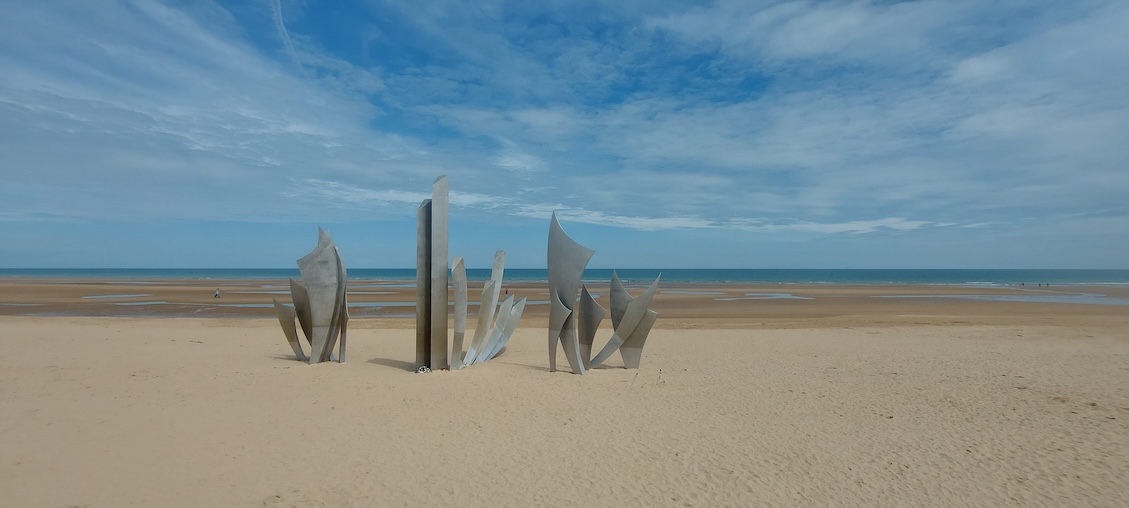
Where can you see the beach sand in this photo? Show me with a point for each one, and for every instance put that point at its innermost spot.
(851, 398)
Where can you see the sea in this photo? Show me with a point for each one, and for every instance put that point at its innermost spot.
(972, 277)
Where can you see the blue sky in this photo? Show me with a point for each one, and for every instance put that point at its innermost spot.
(733, 134)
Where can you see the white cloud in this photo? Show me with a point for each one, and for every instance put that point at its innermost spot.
(361, 200)
(512, 158)
(807, 118)
(280, 25)
(856, 227)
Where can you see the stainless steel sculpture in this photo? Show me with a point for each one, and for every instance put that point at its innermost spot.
(566, 262)
(508, 316)
(431, 279)
(632, 319)
(504, 312)
(458, 280)
(496, 322)
(632, 349)
(320, 303)
(486, 307)
(491, 333)
(589, 316)
(423, 284)
(439, 296)
(286, 317)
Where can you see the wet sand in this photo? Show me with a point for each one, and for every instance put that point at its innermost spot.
(680, 305)
(861, 395)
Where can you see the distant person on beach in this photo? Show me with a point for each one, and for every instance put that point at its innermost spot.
(217, 295)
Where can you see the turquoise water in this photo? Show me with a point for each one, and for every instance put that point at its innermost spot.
(677, 275)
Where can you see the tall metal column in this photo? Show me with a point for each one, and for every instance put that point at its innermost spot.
(423, 285)
(439, 296)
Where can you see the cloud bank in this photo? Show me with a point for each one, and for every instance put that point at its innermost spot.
(776, 119)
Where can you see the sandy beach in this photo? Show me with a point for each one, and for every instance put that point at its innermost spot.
(747, 395)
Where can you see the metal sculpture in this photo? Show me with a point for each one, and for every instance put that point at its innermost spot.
(423, 284)
(320, 304)
(486, 306)
(439, 296)
(491, 333)
(573, 324)
(566, 262)
(496, 322)
(632, 320)
(286, 317)
(431, 279)
(458, 280)
(509, 314)
(589, 316)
